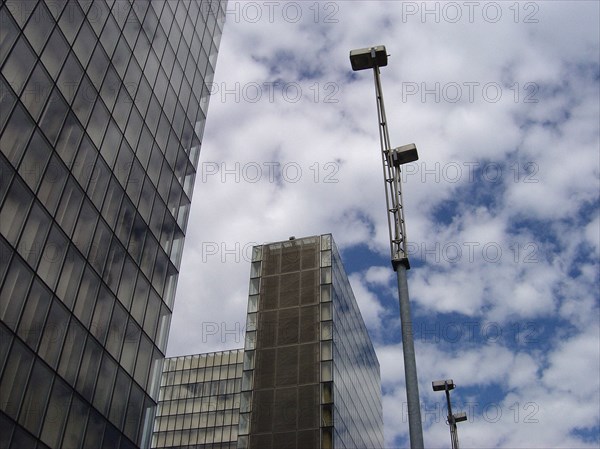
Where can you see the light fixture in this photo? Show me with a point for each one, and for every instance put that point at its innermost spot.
(368, 58)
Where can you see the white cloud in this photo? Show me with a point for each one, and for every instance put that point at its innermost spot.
(501, 208)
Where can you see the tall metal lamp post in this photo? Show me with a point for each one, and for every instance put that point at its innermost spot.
(447, 385)
(392, 159)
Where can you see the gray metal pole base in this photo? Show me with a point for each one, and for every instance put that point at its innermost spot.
(415, 427)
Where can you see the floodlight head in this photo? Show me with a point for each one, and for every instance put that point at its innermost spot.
(404, 154)
(460, 417)
(368, 58)
(441, 385)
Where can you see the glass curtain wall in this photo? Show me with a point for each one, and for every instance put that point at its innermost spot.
(102, 110)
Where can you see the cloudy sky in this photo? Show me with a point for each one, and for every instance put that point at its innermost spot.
(502, 101)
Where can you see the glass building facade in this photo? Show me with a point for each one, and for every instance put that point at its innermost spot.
(311, 376)
(307, 378)
(102, 110)
(199, 401)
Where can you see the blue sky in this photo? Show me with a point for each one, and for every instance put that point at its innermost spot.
(502, 208)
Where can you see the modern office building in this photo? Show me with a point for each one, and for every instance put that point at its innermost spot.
(199, 401)
(103, 105)
(310, 377)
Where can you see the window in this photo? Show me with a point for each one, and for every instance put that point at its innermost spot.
(54, 333)
(16, 134)
(34, 402)
(19, 64)
(14, 379)
(32, 321)
(59, 403)
(53, 116)
(14, 210)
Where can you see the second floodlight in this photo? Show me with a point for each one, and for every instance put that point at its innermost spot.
(440, 385)
(368, 58)
(404, 154)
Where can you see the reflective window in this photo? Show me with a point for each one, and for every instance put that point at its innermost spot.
(90, 363)
(53, 116)
(36, 396)
(14, 210)
(33, 317)
(59, 403)
(88, 289)
(70, 276)
(18, 65)
(104, 387)
(36, 92)
(33, 237)
(68, 208)
(70, 76)
(14, 378)
(15, 135)
(84, 45)
(55, 52)
(110, 36)
(75, 426)
(34, 161)
(54, 333)
(8, 33)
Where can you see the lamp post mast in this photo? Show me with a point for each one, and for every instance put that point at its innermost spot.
(391, 161)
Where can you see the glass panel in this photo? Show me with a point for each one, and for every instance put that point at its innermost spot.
(143, 360)
(14, 210)
(326, 372)
(104, 388)
(70, 77)
(55, 53)
(74, 430)
(130, 346)
(69, 278)
(88, 370)
(52, 183)
(98, 182)
(34, 402)
(100, 246)
(14, 292)
(84, 162)
(102, 313)
(114, 263)
(86, 296)
(52, 256)
(8, 33)
(53, 116)
(34, 234)
(34, 161)
(68, 140)
(60, 400)
(54, 333)
(71, 354)
(118, 405)
(31, 325)
(84, 45)
(16, 134)
(69, 206)
(14, 378)
(18, 65)
(36, 92)
(116, 331)
(110, 150)
(70, 21)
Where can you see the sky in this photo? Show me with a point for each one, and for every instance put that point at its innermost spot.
(502, 207)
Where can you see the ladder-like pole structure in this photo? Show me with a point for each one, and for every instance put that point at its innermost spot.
(391, 161)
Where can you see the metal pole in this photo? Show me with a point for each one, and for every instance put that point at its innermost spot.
(415, 428)
(400, 264)
(451, 420)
